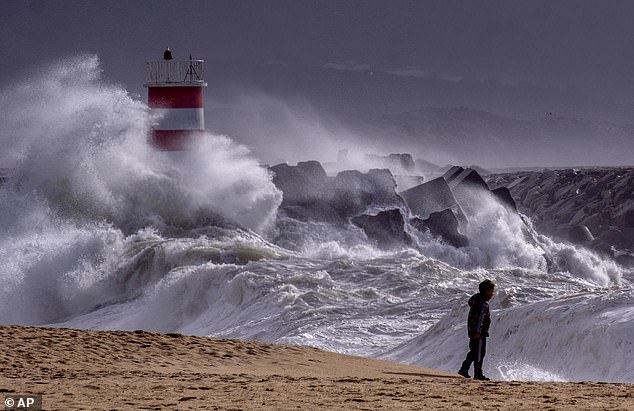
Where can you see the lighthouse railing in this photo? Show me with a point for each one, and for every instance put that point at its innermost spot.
(175, 71)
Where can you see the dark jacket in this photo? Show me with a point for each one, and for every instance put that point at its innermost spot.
(479, 318)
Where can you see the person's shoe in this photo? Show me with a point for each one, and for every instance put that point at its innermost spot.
(464, 373)
(481, 378)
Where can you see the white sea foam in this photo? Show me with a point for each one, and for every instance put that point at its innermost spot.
(499, 236)
(83, 179)
(98, 231)
(81, 145)
(502, 239)
(573, 338)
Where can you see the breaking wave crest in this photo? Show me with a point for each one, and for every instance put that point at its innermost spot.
(99, 231)
(83, 184)
(80, 144)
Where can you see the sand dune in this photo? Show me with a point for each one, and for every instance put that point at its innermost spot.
(75, 369)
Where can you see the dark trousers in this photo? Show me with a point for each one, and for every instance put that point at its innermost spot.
(477, 350)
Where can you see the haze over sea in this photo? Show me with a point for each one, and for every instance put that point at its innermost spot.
(98, 231)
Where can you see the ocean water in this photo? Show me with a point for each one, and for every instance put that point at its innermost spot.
(97, 231)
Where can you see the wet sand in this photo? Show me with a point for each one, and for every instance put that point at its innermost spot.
(76, 369)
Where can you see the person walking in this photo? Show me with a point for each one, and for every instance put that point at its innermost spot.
(478, 328)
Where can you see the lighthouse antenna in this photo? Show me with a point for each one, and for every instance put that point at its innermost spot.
(191, 71)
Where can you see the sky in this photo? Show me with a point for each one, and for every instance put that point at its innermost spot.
(519, 59)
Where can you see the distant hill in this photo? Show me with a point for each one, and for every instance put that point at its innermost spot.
(483, 138)
(300, 112)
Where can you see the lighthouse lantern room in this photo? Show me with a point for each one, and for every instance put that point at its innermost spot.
(175, 93)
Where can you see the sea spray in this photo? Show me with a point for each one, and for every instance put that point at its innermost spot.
(503, 239)
(81, 144)
(56, 269)
(572, 338)
(101, 232)
(83, 183)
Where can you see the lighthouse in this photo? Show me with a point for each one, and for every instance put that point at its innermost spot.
(175, 93)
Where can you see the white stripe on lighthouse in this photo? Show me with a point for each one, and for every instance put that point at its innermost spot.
(179, 118)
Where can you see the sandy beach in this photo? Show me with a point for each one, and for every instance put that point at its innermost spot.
(76, 369)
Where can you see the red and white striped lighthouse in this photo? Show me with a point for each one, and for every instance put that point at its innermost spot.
(175, 91)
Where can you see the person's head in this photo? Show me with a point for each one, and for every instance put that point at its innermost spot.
(487, 288)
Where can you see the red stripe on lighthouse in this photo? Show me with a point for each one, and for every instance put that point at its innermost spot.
(175, 97)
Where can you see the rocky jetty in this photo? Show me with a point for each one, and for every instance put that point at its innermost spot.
(444, 225)
(430, 197)
(386, 228)
(593, 207)
(355, 192)
(370, 202)
(407, 171)
(399, 163)
(351, 198)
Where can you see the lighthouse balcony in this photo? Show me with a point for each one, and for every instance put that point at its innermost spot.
(175, 73)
